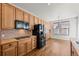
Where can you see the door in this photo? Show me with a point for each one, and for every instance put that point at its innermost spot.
(8, 16)
(12, 51)
(19, 14)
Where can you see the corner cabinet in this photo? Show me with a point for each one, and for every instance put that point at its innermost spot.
(8, 16)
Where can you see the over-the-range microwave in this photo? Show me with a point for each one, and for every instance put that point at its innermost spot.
(21, 25)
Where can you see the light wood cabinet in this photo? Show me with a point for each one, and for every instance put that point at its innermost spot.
(9, 49)
(8, 16)
(24, 46)
(31, 21)
(34, 42)
(26, 17)
(0, 16)
(19, 14)
(0, 50)
(29, 46)
(36, 20)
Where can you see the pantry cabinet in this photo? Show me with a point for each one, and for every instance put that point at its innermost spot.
(9, 49)
(8, 16)
(26, 17)
(19, 14)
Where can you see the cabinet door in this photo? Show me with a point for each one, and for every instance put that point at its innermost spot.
(36, 20)
(19, 14)
(22, 49)
(12, 51)
(26, 17)
(29, 46)
(31, 21)
(39, 21)
(0, 50)
(34, 42)
(8, 16)
(0, 16)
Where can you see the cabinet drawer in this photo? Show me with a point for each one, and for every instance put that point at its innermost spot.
(8, 45)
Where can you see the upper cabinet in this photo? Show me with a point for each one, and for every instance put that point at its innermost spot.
(26, 17)
(19, 14)
(8, 16)
(0, 16)
(36, 20)
(40, 21)
(31, 21)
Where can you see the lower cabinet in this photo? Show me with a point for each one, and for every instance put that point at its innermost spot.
(9, 49)
(0, 50)
(29, 46)
(20, 47)
(24, 46)
(34, 42)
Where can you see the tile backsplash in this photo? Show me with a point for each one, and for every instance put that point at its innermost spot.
(7, 34)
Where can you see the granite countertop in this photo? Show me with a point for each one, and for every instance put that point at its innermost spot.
(5, 41)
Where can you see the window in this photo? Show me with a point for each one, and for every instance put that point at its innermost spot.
(61, 28)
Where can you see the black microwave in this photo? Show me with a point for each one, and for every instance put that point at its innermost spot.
(21, 25)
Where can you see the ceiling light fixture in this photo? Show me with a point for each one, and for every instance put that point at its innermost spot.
(49, 4)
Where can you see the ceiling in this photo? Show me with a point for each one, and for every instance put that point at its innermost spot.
(52, 11)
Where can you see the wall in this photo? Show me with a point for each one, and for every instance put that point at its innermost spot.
(72, 31)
